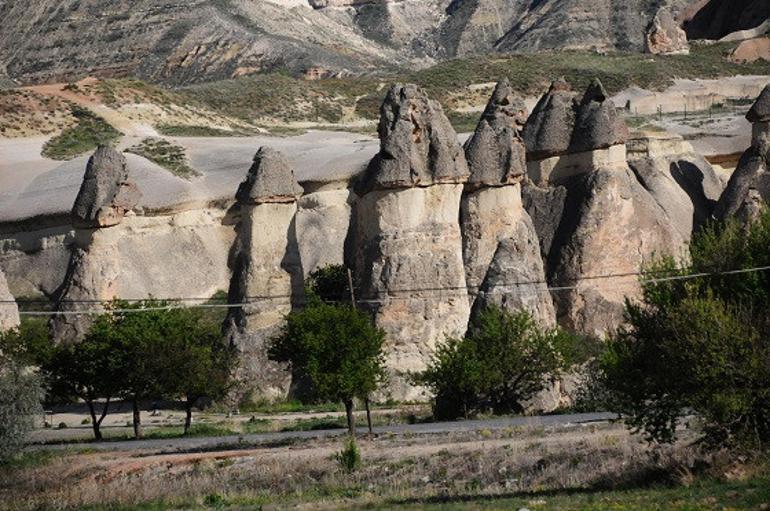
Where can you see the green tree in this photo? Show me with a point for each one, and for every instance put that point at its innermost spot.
(700, 346)
(337, 348)
(198, 363)
(21, 395)
(329, 284)
(91, 370)
(503, 361)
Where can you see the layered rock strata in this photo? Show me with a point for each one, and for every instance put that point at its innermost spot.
(597, 223)
(106, 196)
(409, 258)
(267, 273)
(751, 178)
(503, 265)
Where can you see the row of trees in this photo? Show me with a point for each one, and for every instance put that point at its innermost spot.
(161, 353)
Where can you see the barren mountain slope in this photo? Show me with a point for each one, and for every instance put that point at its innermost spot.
(181, 42)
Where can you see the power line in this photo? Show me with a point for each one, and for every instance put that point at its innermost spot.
(256, 299)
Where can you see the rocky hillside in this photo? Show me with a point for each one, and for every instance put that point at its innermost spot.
(181, 42)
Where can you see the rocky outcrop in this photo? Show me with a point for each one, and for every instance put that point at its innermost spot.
(9, 312)
(105, 198)
(565, 135)
(665, 36)
(682, 182)
(501, 252)
(718, 18)
(267, 273)
(593, 216)
(752, 176)
(409, 264)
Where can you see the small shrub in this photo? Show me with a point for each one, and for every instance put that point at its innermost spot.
(349, 457)
(90, 132)
(62, 425)
(21, 395)
(169, 156)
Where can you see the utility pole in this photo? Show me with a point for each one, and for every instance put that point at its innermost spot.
(366, 399)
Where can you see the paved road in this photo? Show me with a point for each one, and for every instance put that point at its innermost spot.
(203, 443)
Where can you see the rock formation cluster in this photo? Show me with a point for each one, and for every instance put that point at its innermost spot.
(267, 274)
(665, 36)
(592, 215)
(553, 212)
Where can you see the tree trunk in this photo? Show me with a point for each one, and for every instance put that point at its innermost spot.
(137, 419)
(351, 418)
(368, 416)
(95, 424)
(188, 417)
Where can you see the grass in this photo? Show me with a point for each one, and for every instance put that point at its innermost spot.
(169, 156)
(180, 130)
(285, 98)
(89, 132)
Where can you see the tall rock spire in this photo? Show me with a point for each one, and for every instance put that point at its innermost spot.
(267, 274)
(501, 251)
(409, 265)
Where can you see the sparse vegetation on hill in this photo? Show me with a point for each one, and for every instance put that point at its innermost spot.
(169, 156)
(90, 132)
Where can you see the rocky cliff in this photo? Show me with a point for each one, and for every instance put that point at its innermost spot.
(179, 42)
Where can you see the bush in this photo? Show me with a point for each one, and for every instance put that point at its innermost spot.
(349, 457)
(21, 395)
(503, 361)
(90, 132)
(700, 346)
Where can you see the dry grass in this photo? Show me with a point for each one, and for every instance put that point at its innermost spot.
(395, 468)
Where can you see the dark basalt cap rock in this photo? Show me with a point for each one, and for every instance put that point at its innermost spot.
(106, 194)
(418, 146)
(495, 152)
(270, 179)
(548, 131)
(598, 125)
(760, 112)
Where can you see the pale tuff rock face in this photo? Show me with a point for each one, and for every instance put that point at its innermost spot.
(409, 264)
(496, 152)
(267, 272)
(9, 312)
(751, 174)
(665, 36)
(682, 182)
(106, 194)
(500, 246)
(418, 146)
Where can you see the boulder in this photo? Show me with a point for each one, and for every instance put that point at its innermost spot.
(565, 136)
(418, 146)
(501, 252)
(267, 272)
(408, 251)
(548, 131)
(496, 152)
(665, 36)
(9, 312)
(106, 194)
(760, 110)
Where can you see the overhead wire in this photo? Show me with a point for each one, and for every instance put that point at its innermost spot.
(205, 303)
